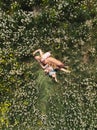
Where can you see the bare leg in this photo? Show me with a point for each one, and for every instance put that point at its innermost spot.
(65, 70)
(55, 77)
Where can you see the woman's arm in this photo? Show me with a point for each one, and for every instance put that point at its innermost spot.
(38, 50)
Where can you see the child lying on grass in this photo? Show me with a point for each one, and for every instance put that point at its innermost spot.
(49, 70)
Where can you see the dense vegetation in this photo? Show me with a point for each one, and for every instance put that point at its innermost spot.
(29, 99)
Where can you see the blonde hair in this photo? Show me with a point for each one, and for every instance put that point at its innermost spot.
(52, 64)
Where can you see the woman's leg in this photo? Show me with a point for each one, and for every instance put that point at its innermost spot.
(55, 77)
(65, 70)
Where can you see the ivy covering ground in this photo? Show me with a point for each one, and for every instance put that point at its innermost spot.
(31, 100)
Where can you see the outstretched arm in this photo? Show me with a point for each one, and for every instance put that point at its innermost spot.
(38, 50)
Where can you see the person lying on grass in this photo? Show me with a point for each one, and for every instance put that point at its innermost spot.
(49, 70)
(46, 58)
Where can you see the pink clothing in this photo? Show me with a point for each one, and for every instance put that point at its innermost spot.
(45, 56)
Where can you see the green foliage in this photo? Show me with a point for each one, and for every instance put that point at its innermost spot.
(29, 98)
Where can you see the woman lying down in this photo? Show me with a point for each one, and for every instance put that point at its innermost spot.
(49, 64)
(46, 58)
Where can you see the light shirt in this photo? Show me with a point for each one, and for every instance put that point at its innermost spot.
(45, 56)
